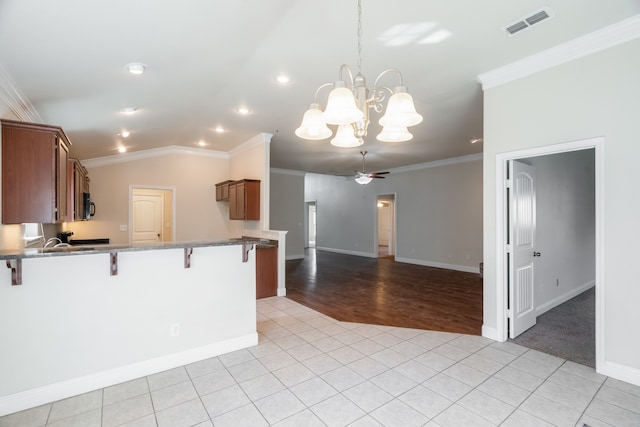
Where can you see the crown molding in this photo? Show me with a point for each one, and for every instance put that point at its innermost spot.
(153, 152)
(261, 138)
(438, 163)
(287, 172)
(602, 39)
(20, 106)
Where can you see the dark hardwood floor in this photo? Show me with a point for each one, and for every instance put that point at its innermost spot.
(384, 292)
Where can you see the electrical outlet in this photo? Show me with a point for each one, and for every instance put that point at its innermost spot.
(123, 227)
(175, 329)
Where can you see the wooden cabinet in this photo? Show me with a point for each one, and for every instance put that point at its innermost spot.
(78, 179)
(266, 271)
(244, 200)
(34, 173)
(222, 191)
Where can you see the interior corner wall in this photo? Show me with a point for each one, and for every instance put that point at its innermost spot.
(438, 214)
(594, 96)
(252, 163)
(287, 210)
(565, 226)
(198, 215)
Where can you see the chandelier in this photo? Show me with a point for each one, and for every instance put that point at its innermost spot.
(349, 103)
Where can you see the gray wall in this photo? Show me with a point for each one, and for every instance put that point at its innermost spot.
(438, 207)
(287, 209)
(594, 96)
(565, 233)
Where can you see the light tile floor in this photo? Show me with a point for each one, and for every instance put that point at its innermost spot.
(311, 370)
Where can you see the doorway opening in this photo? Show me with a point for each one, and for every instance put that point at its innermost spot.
(581, 218)
(151, 214)
(310, 215)
(386, 226)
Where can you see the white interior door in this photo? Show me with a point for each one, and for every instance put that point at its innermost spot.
(522, 236)
(384, 224)
(147, 218)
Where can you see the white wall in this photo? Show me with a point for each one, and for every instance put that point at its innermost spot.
(565, 233)
(287, 209)
(438, 207)
(74, 328)
(198, 215)
(594, 96)
(251, 161)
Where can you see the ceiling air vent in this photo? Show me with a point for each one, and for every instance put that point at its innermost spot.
(532, 19)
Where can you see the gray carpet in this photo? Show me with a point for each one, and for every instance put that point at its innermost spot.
(567, 331)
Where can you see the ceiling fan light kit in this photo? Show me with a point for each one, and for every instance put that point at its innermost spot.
(364, 178)
(348, 107)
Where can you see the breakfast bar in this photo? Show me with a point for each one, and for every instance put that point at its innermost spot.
(76, 319)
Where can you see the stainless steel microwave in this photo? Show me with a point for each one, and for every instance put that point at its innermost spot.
(88, 207)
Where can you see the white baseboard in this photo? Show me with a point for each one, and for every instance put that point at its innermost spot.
(464, 268)
(346, 252)
(282, 292)
(621, 372)
(541, 309)
(491, 333)
(53, 392)
(289, 257)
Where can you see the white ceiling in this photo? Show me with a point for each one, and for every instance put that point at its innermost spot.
(207, 57)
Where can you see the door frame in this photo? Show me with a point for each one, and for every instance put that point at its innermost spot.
(393, 223)
(501, 233)
(152, 187)
(307, 223)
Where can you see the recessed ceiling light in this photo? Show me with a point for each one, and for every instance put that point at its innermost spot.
(128, 110)
(201, 143)
(135, 68)
(219, 129)
(283, 79)
(243, 110)
(122, 149)
(124, 133)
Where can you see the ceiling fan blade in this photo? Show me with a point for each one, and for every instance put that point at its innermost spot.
(380, 173)
(376, 176)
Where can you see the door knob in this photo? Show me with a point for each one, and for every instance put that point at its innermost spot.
(536, 254)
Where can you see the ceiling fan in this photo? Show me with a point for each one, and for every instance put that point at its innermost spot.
(362, 177)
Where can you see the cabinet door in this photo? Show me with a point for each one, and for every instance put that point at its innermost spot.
(28, 175)
(233, 204)
(62, 193)
(252, 201)
(240, 200)
(266, 272)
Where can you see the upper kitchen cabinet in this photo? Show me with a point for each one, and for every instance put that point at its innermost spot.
(34, 173)
(78, 180)
(222, 191)
(244, 200)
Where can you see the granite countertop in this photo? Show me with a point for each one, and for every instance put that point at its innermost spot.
(98, 249)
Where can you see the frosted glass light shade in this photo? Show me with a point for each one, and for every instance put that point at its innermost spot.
(341, 107)
(394, 134)
(312, 126)
(401, 112)
(363, 179)
(345, 137)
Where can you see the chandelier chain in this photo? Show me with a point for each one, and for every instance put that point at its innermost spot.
(359, 37)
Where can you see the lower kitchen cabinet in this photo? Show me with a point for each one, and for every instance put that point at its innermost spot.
(266, 271)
